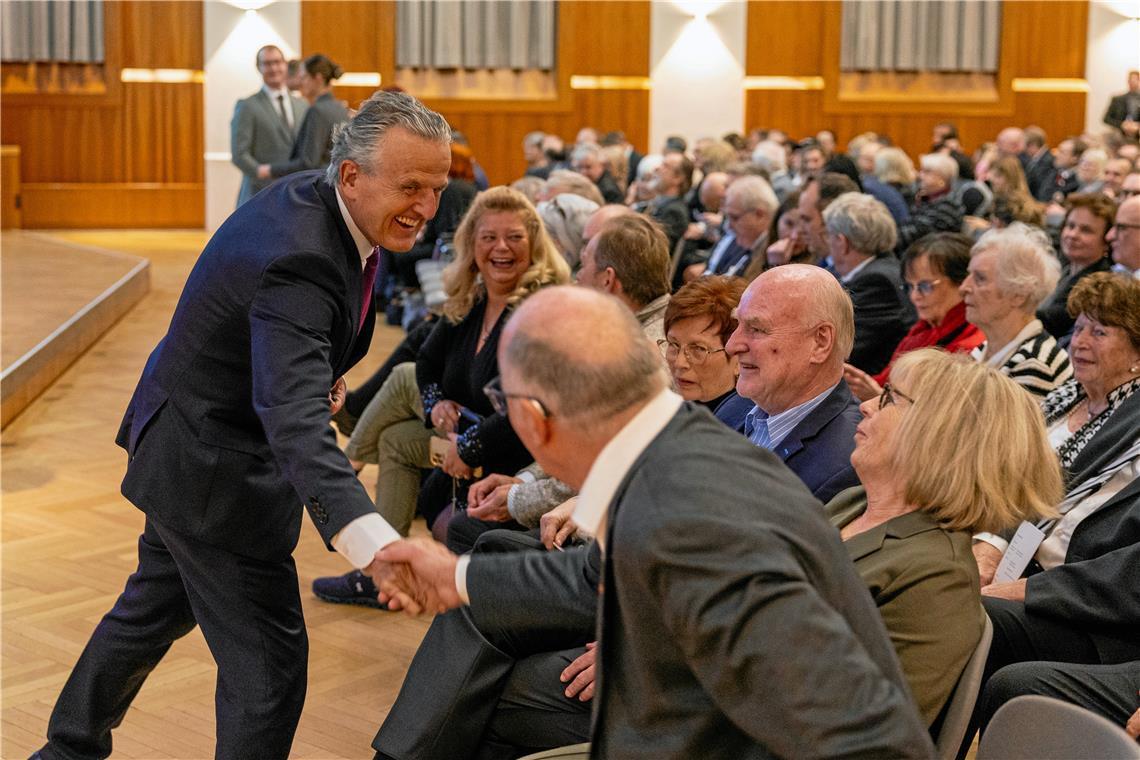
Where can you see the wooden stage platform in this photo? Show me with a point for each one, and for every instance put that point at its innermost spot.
(68, 541)
(58, 297)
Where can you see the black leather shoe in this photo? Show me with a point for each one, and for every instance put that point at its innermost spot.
(352, 588)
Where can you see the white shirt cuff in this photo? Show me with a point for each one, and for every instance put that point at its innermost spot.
(363, 537)
(461, 577)
(526, 476)
(997, 542)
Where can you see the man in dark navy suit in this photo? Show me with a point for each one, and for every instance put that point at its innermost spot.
(228, 434)
(796, 326)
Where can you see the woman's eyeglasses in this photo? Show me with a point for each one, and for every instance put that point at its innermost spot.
(887, 397)
(924, 287)
(694, 352)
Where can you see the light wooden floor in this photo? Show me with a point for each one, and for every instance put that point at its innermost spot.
(68, 543)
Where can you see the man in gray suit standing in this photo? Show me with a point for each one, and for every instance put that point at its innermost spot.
(733, 625)
(265, 124)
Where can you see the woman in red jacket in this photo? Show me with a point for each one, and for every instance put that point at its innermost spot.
(934, 266)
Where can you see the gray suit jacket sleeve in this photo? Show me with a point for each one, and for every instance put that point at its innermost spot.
(241, 138)
(554, 594)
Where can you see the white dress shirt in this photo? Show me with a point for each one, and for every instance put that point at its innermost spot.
(287, 102)
(606, 474)
(363, 537)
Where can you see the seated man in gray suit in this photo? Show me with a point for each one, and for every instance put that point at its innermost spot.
(798, 313)
(265, 124)
(732, 623)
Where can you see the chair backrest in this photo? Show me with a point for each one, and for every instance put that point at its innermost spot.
(1042, 728)
(962, 699)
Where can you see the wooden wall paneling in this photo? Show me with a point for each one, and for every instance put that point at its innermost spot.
(605, 38)
(116, 205)
(360, 36)
(166, 35)
(66, 143)
(103, 93)
(800, 113)
(1040, 39)
(11, 215)
(783, 38)
(1045, 38)
(163, 133)
(130, 157)
(594, 39)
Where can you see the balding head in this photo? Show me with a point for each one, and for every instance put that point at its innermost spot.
(796, 328)
(582, 354)
(1011, 141)
(713, 188)
(1124, 237)
(601, 216)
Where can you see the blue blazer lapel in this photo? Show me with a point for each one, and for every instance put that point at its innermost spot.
(810, 426)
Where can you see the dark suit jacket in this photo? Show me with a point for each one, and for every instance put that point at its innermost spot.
(313, 146)
(1097, 589)
(1117, 111)
(883, 313)
(818, 450)
(228, 430)
(733, 623)
(673, 216)
(258, 136)
(1039, 172)
(609, 189)
(1054, 312)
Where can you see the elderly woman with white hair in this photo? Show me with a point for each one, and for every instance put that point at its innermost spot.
(936, 209)
(564, 217)
(1011, 271)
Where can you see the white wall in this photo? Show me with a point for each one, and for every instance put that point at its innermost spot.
(696, 69)
(1113, 50)
(232, 38)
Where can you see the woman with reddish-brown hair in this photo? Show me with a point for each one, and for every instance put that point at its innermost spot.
(698, 321)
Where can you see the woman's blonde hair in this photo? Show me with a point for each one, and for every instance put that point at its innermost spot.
(1023, 207)
(893, 166)
(461, 279)
(972, 448)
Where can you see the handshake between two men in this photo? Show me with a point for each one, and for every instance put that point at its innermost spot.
(418, 575)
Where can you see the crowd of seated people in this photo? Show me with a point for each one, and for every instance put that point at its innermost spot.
(942, 356)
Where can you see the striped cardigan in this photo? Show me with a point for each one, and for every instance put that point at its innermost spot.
(1033, 360)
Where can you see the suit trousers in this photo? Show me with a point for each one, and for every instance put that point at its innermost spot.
(1020, 636)
(392, 434)
(1107, 690)
(483, 693)
(250, 613)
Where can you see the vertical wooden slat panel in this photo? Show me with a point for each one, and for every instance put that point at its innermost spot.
(162, 35)
(788, 39)
(594, 39)
(137, 133)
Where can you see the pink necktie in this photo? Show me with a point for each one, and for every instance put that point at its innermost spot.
(366, 282)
